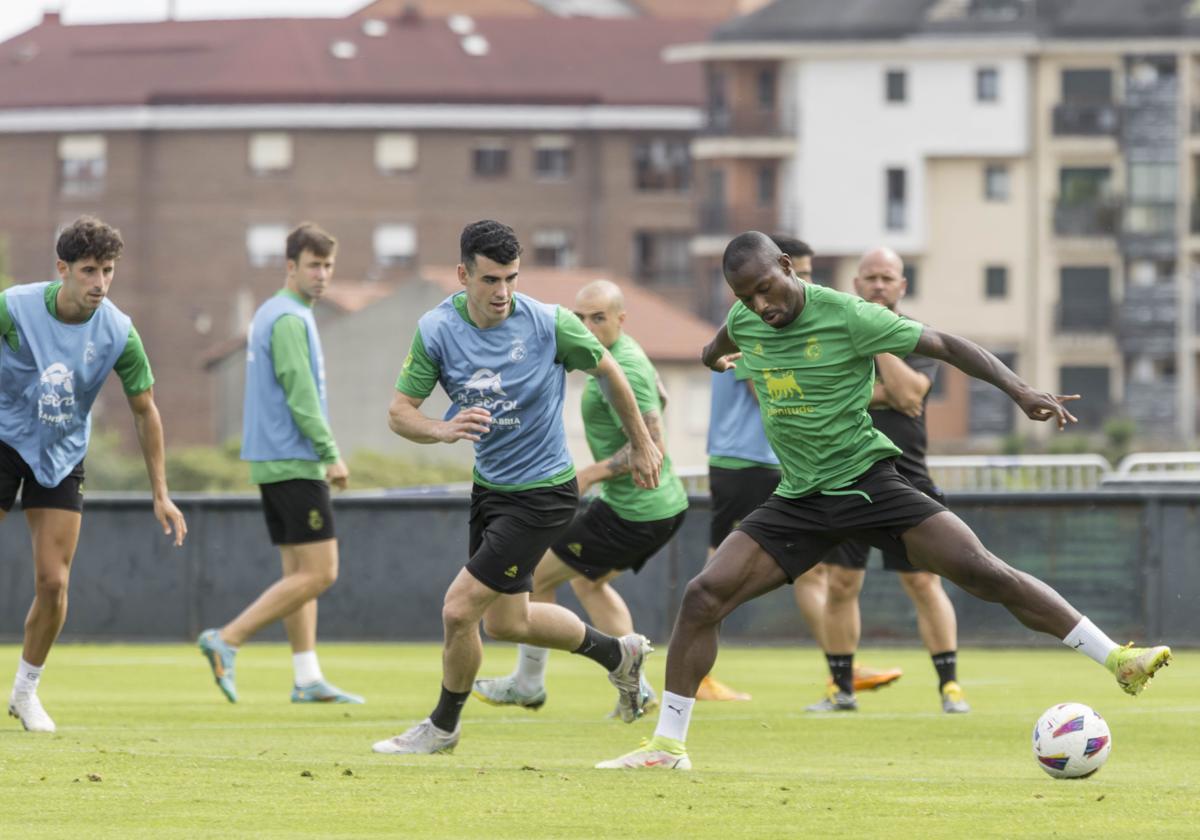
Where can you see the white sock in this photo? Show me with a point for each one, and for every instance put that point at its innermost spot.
(1089, 640)
(531, 668)
(27, 678)
(674, 715)
(306, 667)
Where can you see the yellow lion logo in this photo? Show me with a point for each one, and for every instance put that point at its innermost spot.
(782, 386)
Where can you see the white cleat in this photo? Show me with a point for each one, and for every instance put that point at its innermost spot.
(422, 739)
(27, 708)
(627, 676)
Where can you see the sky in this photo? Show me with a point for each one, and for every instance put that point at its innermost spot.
(18, 15)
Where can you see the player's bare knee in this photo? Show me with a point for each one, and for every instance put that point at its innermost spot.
(51, 589)
(703, 603)
(505, 628)
(457, 617)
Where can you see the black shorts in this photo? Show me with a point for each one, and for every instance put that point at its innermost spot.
(297, 511)
(735, 493)
(16, 474)
(598, 541)
(853, 554)
(876, 508)
(511, 532)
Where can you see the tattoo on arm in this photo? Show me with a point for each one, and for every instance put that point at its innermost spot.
(620, 462)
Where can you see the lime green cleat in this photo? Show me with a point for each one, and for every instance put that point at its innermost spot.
(658, 753)
(1134, 667)
(220, 656)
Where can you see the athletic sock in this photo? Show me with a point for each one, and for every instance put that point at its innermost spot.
(600, 647)
(27, 678)
(306, 668)
(841, 668)
(531, 668)
(946, 665)
(674, 716)
(449, 707)
(1090, 640)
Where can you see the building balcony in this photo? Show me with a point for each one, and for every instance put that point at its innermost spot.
(1084, 316)
(1148, 229)
(749, 122)
(733, 219)
(1148, 320)
(1152, 405)
(1086, 120)
(1097, 217)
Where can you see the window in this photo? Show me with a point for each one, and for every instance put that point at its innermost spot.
(395, 153)
(83, 164)
(987, 84)
(995, 282)
(1079, 185)
(490, 158)
(1092, 384)
(995, 182)
(552, 157)
(1087, 87)
(1085, 299)
(766, 186)
(990, 411)
(766, 89)
(270, 152)
(266, 245)
(662, 256)
(1153, 182)
(395, 245)
(662, 164)
(895, 86)
(552, 248)
(895, 209)
(910, 274)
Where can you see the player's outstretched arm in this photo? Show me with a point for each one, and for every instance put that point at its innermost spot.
(150, 438)
(645, 457)
(975, 361)
(406, 419)
(720, 353)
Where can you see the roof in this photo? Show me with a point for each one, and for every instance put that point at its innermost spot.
(541, 61)
(667, 331)
(707, 9)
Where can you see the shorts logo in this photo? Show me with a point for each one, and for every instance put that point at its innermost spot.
(518, 351)
(781, 385)
(56, 404)
(812, 349)
(575, 548)
(510, 572)
(315, 521)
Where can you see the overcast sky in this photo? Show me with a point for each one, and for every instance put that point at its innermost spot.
(18, 15)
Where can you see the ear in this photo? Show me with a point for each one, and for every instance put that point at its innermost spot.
(62, 268)
(621, 317)
(785, 262)
(462, 274)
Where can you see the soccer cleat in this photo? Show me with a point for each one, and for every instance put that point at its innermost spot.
(835, 700)
(713, 689)
(323, 692)
(627, 676)
(503, 691)
(954, 699)
(657, 753)
(868, 679)
(220, 656)
(1135, 667)
(422, 739)
(27, 708)
(649, 701)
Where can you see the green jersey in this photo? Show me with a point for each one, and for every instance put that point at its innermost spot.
(814, 380)
(606, 435)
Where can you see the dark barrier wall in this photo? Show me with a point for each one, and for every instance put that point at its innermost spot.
(1129, 560)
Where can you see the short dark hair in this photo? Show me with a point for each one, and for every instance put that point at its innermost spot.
(490, 239)
(792, 246)
(746, 246)
(310, 237)
(86, 237)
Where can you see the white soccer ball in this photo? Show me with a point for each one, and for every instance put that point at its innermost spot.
(1071, 741)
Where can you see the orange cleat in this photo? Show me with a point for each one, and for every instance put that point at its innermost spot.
(868, 679)
(713, 689)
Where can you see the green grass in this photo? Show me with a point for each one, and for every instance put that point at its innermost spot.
(174, 760)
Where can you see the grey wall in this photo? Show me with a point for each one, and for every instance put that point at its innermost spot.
(1129, 560)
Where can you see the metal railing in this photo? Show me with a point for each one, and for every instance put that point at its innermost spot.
(1156, 467)
(1086, 120)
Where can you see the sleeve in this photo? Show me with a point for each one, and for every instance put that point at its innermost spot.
(293, 369)
(875, 329)
(642, 381)
(419, 373)
(133, 365)
(577, 349)
(7, 331)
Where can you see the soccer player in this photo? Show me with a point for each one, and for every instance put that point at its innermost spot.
(502, 358)
(811, 353)
(58, 343)
(743, 472)
(620, 530)
(898, 411)
(293, 460)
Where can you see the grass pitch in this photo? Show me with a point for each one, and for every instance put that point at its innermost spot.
(147, 747)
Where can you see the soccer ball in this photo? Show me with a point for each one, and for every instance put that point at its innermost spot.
(1071, 741)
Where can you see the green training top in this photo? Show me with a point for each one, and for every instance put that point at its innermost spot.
(293, 369)
(814, 380)
(605, 435)
(132, 365)
(575, 349)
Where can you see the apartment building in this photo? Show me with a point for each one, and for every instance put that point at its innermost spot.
(204, 141)
(1030, 159)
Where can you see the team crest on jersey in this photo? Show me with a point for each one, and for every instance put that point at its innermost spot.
(89, 352)
(812, 349)
(56, 402)
(518, 351)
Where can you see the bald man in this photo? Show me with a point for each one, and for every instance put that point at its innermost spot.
(897, 406)
(811, 351)
(620, 530)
